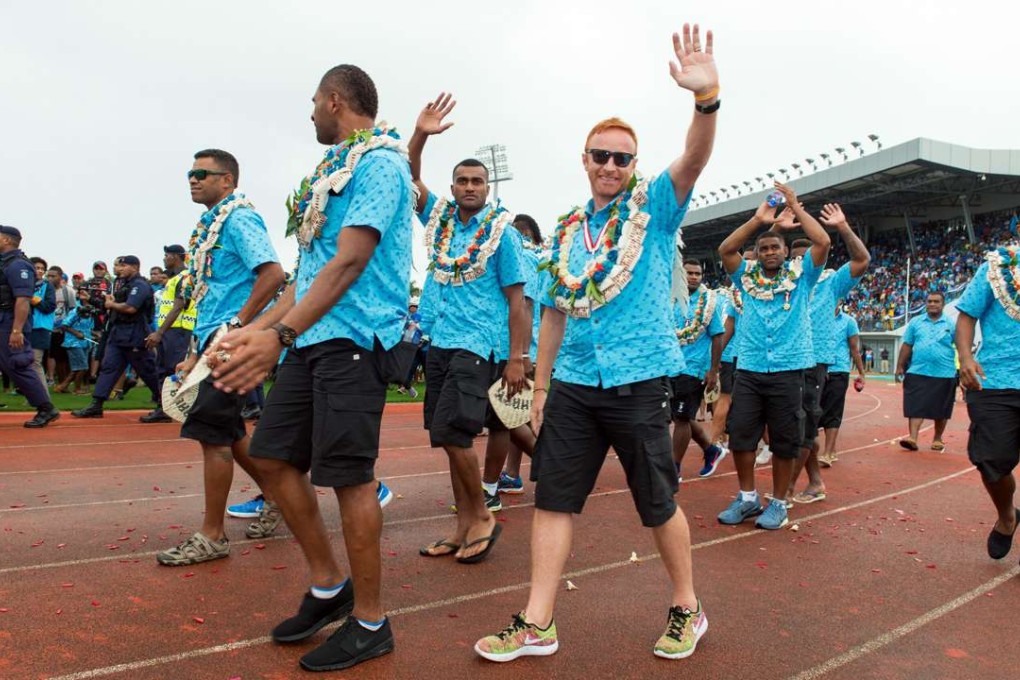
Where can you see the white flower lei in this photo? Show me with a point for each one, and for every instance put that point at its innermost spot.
(997, 263)
(826, 273)
(440, 252)
(760, 290)
(696, 325)
(629, 245)
(202, 243)
(314, 216)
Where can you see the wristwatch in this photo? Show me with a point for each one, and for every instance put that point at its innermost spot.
(286, 334)
(235, 322)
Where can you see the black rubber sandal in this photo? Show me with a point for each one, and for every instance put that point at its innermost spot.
(439, 544)
(491, 538)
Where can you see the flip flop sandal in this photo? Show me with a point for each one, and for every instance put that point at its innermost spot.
(908, 444)
(491, 538)
(438, 544)
(938, 445)
(809, 497)
(999, 543)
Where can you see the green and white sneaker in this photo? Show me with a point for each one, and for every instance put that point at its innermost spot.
(518, 639)
(683, 630)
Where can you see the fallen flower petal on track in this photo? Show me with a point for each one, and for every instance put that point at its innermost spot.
(67, 585)
(279, 567)
(95, 603)
(571, 586)
(634, 557)
(198, 619)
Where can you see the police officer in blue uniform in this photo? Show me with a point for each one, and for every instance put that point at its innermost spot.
(131, 310)
(17, 285)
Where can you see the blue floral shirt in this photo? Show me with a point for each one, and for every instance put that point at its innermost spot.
(729, 310)
(999, 354)
(632, 338)
(934, 346)
(845, 328)
(474, 316)
(378, 196)
(82, 324)
(774, 339)
(533, 291)
(242, 247)
(824, 299)
(698, 354)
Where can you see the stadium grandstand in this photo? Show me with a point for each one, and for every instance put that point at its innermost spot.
(924, 208)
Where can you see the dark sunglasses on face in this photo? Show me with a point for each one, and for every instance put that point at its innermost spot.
(601, 157)
(201, 174)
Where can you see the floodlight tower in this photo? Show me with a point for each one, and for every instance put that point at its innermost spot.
(494, 158)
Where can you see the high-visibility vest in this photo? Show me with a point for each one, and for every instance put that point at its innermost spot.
(188, 316)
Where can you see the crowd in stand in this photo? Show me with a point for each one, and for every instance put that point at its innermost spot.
(944, 260)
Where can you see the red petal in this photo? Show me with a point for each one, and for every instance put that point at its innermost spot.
(278, 567)
(198, 619)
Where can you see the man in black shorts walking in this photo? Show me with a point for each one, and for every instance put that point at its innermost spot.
(339, 320)
(993, 385)
(773, 355)
(472, 307)
(232, 274)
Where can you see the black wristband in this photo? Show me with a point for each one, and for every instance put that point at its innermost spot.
(711, 108)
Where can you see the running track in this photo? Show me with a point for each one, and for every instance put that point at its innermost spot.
(887, 578)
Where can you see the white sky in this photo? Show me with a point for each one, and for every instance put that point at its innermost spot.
(104, 103)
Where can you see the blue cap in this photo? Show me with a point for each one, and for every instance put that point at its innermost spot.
(174, 250)
(9, 231)
(129, 259)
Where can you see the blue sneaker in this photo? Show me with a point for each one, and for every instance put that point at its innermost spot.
(739, 510)
(713, 456)
(248, 509)
(510, 485)
(384, 494)
(774, 516)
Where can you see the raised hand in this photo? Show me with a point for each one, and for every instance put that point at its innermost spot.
(430, 120)
(766, 214)
(696, 71)
(832, 215)
(787, 220)
(788, 193)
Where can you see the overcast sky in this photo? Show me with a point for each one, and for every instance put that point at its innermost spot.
(104, 103)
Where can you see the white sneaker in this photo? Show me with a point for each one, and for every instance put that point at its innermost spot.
(764, 456)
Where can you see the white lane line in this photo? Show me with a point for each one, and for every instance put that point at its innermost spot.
(197, 460)
(906, 629)
(241, 644)
(97, 468)
(147, 499)
(193, 495)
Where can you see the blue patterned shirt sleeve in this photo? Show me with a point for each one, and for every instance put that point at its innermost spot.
(715, 324)
(1000, 334)
(666, 214)
(978, 296)
(430, 204)
(250, 240)
(427, 305)
(844, 281)
(908, 335)
(375, 190)
(510, 265)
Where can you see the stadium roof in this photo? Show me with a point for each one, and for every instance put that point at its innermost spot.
(908, 179)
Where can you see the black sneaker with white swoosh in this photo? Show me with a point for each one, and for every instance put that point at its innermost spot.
(350, 645)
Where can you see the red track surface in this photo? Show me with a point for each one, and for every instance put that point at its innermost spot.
(887, 578)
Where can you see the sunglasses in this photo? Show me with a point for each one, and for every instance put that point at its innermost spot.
(601, 157)
(201, 174)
